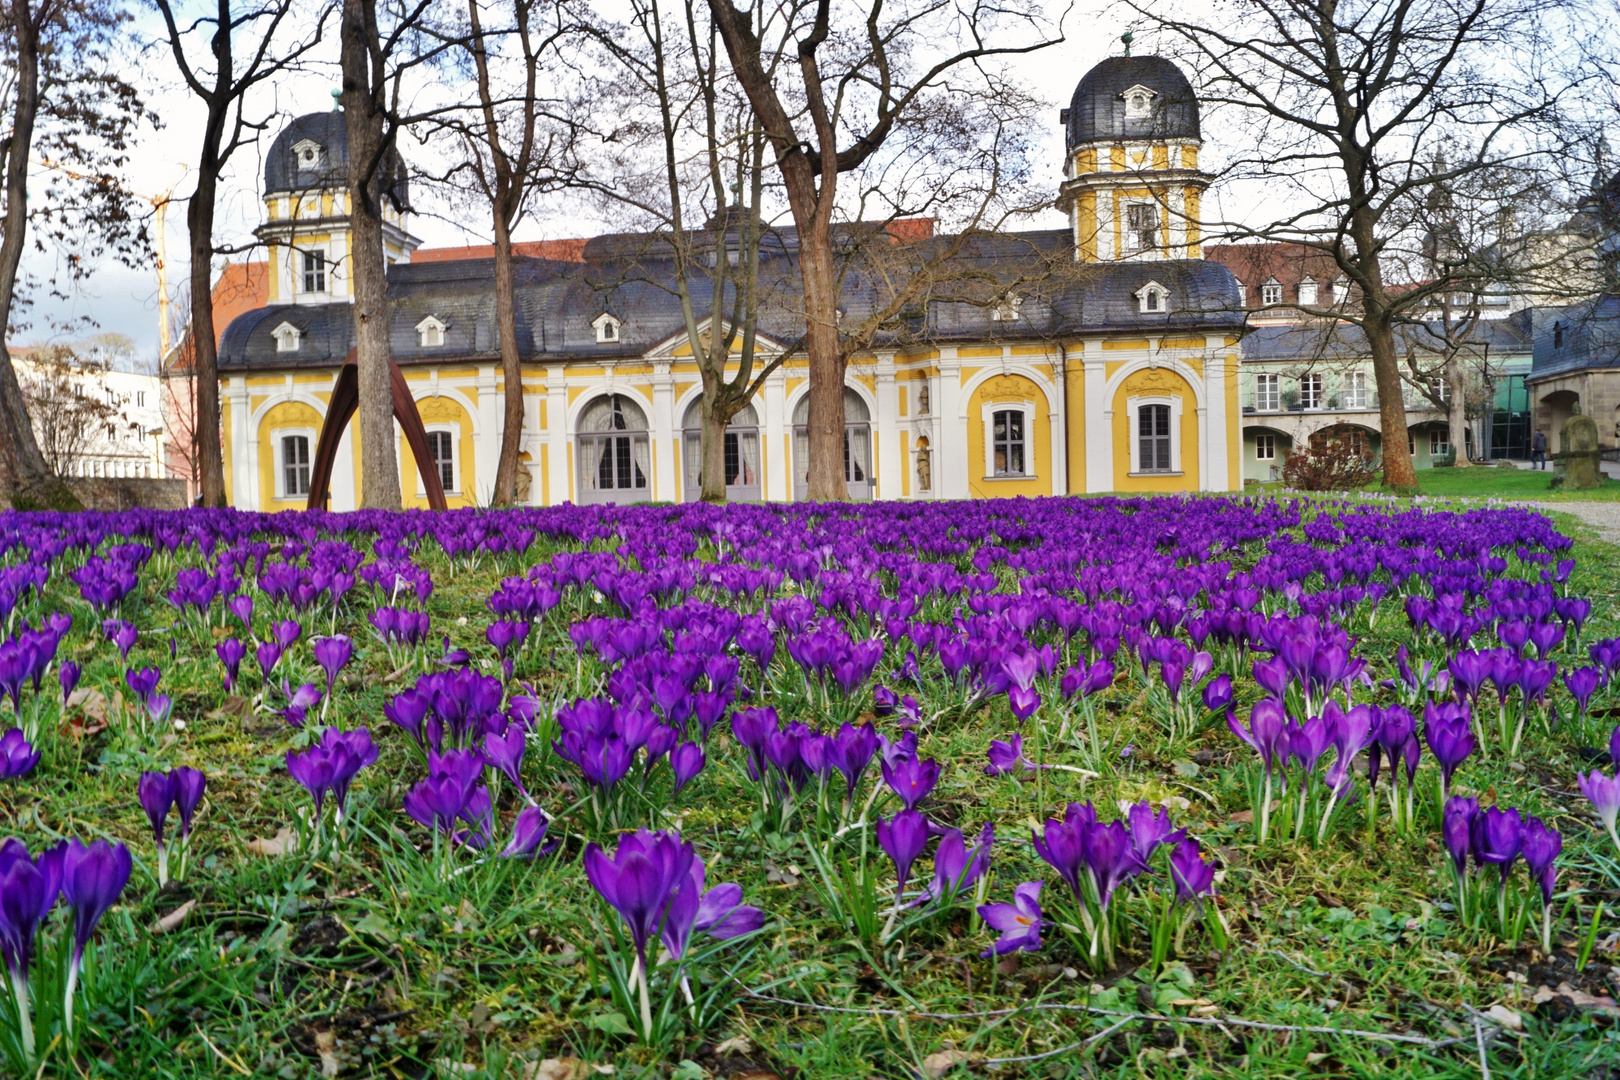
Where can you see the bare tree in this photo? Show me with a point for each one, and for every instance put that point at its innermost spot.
(66, 99)
(859, 86)
(68, 403)
(517, 141)
(1355, 113)
(246, 36)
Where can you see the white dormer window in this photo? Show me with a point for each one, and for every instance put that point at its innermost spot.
(1138, 102)
(1006, 310)
(1271, 292)
(607, 329)
(1341, 291)
(430, 332)
(1307, 292)
(307, 153)
(1153, 298)
(286, 336)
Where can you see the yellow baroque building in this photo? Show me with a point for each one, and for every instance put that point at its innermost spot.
(1108, 362)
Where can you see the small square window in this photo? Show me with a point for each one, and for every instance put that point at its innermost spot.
(1271, 293)
(1265, 448)
(1439, 442)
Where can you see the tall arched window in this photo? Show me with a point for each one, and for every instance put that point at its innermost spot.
(742, 454)
(612, 451)
(857, 446)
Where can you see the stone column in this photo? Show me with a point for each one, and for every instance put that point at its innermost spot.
(1059, 421)
(487, 447)
(557, 434)
(886, 430)
(243, 496)
(1099, 421)
(773, 435)
(1213, 418)
(664, 436)
(950, 451)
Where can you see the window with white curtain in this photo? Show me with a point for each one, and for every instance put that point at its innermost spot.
(614, 460)
(857, 446)
(741, 453)
(1356, 393)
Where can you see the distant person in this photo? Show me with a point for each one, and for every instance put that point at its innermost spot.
(1538, 449)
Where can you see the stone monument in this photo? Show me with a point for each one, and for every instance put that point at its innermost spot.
(1579, 457)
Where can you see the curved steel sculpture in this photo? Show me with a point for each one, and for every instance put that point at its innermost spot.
(345, 399)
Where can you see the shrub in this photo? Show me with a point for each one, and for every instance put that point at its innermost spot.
(1333, 466)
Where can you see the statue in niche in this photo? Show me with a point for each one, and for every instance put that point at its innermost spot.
(925, 466)
(525, 479)
(922, 400)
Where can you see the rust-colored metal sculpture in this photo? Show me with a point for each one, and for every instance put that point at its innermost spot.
(345, 400)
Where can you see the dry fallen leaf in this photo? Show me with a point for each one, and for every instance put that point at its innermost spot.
(1506, 1017)
(93, 702)
(173, 919)
(937, 1065)
(559, 1069)
(274, 846)
(737, 1045)
(326, 1047)
(232, 706)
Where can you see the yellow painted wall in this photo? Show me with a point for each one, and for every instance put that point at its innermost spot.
(1075, 391)
(1155, 382)
(1009, 388)
(288, 414)
(442, 410)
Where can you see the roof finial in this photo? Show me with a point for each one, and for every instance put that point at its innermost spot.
(337, 94)
(1127, 37)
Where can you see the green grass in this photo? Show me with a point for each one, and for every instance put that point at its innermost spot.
(1501, 483)
(376, 963)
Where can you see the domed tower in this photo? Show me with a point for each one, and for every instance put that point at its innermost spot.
(1131, 181)
(306, 211)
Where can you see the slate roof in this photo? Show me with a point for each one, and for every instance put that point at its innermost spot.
(1321, 340)
(631, 277)
(1577, 338)
(1097, 113)
(327, 129)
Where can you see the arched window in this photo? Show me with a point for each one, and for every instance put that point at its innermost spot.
(857, 446)
(614, 462)
(741, 451)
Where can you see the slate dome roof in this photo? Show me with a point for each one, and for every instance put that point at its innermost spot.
(286, 169)
(1098, 113)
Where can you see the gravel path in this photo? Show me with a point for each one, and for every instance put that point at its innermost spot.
(1602, 516)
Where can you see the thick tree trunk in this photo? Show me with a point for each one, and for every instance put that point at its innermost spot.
(1377, 324)
(511, 365)
(713, 419)
(826, 479)
(368, 271)
(206, 449)
(1457, 381)
(24, 477)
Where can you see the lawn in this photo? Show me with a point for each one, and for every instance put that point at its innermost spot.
(406, 944)
(1502, 483)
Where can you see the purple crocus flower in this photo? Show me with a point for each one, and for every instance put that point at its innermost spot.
(1110, 857)
(142, 682)
(28, 891)
(93, 877)
(851, 752)
(1007, 757)
(1497, 836)
(1540, 847)
(157, 794)
(505, 752)
(189, 785)
(230, 653)
(639, 878)
(1150, 828)
(68, 675)
(17, 756)
(903, 837)
(122, 634)
(955, 867)
(1193, 876)
(299, 702)
(286, 632)
(268, 655)
(1218, 693)
(1023, 700)
(332, 653)
(1604, 795)
(1062, 844)
(242, 607)
(312, 769)
(1451, 739)
(912, 779)
(528, 836)
(1582, 683)
(1457, 830)
(686, 760)
(1264, 733)
(1614, 746)
(1018, 923)
(348, 753)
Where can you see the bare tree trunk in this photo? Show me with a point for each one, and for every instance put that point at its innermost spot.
(368, 270)
(24, 476)
(1399, 473)
(1457, 383)
(826, 480)
(511, 365)
(205, 442)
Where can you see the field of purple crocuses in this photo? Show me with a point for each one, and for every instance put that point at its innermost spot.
(1048, 788)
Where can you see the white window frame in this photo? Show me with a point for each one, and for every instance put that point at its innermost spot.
(1341, 291)
(1133, 233)
(1315, 398)
(287, 337)
(1307, 292)
(1138, 102)
(608, 329)
(1133, 407)
(1153, 299)
(301, 272)
(987, 425)
(1271, 293)
(1265, 447)
(278, 449)
(1267, 391)
(307, 154)
(1357, 393)
(454, 431)
(430, 333)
